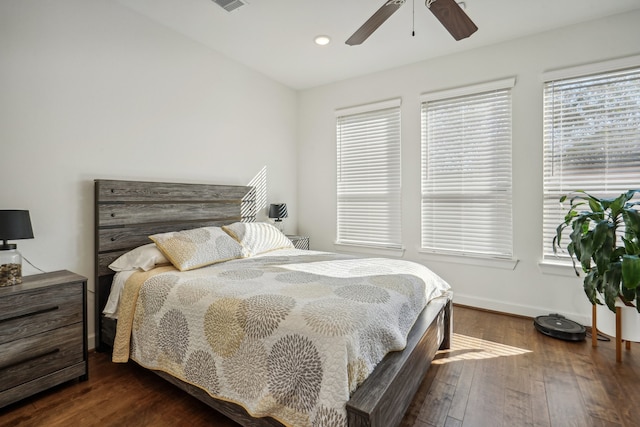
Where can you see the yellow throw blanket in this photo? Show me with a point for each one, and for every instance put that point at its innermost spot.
(126, 311)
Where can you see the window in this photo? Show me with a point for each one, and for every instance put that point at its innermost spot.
(368, 146)
(466, 171)
(591, 137)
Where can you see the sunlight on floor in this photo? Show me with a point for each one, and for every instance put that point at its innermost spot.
(470, 348)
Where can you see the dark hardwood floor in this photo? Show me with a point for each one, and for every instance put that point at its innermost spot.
(499, 372)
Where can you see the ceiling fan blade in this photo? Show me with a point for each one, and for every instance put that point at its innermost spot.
(451, 15)
(372, 24)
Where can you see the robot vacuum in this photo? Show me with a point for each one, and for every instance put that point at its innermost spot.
(557, 326)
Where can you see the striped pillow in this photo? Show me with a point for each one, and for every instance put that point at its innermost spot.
(257, 237)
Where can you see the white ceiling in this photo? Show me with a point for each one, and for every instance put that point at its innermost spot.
(275, 37)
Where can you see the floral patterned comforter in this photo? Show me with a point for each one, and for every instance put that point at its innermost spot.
(289, 334)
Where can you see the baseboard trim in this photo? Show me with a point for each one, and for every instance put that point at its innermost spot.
(486, 310)
(518, 310)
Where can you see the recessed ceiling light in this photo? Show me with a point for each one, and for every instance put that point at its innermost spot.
(322, 40)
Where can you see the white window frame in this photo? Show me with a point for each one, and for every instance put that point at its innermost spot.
(368, 193)
(487, 251)
(556, 184)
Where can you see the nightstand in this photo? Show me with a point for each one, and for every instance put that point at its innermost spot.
(43, 334)
(300, 242)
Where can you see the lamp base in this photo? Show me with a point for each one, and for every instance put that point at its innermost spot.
(10, 274)
(10, 267)
(279, 225)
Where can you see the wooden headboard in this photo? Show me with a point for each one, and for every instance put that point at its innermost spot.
(127, 212)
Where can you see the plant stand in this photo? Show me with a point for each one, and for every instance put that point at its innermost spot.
(627, 336)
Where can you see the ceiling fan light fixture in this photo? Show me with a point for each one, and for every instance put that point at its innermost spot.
(322, 40)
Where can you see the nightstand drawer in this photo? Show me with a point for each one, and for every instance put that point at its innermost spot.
(29, 358)
(26, 314)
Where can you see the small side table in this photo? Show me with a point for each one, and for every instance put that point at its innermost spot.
(43, 334)
(300, 242)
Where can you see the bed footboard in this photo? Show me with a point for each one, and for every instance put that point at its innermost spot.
(383, 398)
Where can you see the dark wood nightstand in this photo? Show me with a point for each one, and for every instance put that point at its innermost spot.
(300, 242)
(43, 334)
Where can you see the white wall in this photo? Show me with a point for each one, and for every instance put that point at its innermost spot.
(524, 290)
(90, 89)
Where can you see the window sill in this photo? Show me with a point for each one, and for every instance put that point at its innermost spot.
(502, 263)
(372, 250)
(557, 268)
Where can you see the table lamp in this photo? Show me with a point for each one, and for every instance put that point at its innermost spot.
(14, 224)
(277, 211)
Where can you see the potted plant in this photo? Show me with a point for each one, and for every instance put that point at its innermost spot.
(609, 258)
(611, 263)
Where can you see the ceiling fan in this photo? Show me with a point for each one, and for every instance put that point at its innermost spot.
(448, 12)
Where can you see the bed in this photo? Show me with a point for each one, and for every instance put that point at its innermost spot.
(127, 212)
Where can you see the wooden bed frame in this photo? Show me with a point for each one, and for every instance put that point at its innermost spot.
(127, 212)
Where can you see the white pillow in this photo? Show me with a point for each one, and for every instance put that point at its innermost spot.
(117, 285)
(196, 248)
(257, 237)
(142, 258)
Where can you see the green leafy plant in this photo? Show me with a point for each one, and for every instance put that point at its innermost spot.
(611, 265)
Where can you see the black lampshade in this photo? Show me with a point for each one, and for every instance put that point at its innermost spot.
(14, 225)
(278, 210)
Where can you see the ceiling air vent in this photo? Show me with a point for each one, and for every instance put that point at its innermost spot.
(229, 5)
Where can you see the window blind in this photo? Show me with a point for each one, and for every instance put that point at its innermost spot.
(591, 141)
(466, 171)
(368, 175)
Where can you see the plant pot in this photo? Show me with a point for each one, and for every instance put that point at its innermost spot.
(606, 320)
